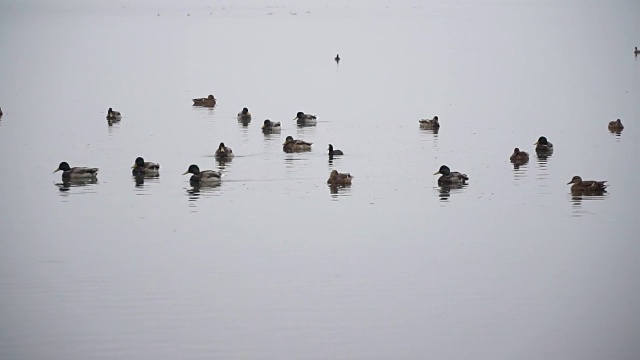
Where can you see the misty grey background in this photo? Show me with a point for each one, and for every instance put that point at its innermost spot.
(273, 265)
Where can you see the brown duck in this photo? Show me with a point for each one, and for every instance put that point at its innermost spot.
(588, 186)
(209, 101)
(336, 178)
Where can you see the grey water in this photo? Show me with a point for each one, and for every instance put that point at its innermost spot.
(272, 263)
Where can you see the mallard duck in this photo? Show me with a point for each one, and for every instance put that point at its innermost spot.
(336, 178)
(333, 152)
(223, 152)
(209, 101)
(586, 186)
(337, 58)
(291, 145)
(543, 146)
(519, 156)
(449, 177)
(204, 176)
(113, 115)
(305, 119)
(615, 125)
(429, 123)
(270, 126)
(140, 167)
(244, 115)
(76, 173)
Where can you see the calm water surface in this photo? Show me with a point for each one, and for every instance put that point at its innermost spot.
(274, 264)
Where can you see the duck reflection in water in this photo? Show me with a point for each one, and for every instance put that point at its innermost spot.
(444, 190)
(66, 185)
(199, 189)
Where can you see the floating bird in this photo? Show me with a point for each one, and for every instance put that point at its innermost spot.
(543, 146)
(337, 58)
(636, 51)
(589, 186)
(244, 115)
(429, 123)
(76, 173)
(519, 156)
(209, 101)
(336, 178)
(0, 111)
(202, 177)
(291, 145)
(615, 125)
(305, 119)
(223, 152)
(449, 177)
(113, 115)
(270, 126)
(140, 167)
(333, 152)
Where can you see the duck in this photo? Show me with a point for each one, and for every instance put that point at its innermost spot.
(449, 177)
(76, 173)
(223, 152)
(337, 58)
(586, 186)
(113, 115)
(244, 115)
(0, 111)
(543, 146)
(291, 145)
(615, 125)
(305, 119)
(636, 51)
(141, 167)
(429, 123)
(270, 126)
(209, 101)
(519, 156)
(336, 178)
(204, 176)
(334, 152)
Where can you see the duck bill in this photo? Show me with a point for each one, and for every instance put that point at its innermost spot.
(436, 173)
(56, 170)
(134, 166)
(535, 143)
(185, 173)
(570, 182)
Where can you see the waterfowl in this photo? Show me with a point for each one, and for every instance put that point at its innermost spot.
(209, 101)
(76, 173)
(588, 186)
(223, 152)
(204, 176)
(0, 111)
(140, 167)
(305, 119)
(429, 123)
(449, 177)
(333, 152)
(270, 126)
(291, 145)
(244, 115)
(337, 58)
(543, 146)
(336, 178)
(519, 156)
(615, 125)
(113, 115)
(636, 51)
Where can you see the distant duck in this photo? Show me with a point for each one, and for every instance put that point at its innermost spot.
(589, 186)
(209, 101)
(244, 115)
(0, 111)
(292, 145)
(449, 177)
(337, 58)
(615, 125)
(336, 178)
(76, 173)
(543, 146)
(204, 176)
(140, 167)
(270, 126)
(519, 156)
(223, 152)
(636, 51)
(429, 123)
(113, 115)
(305, 119)
(334, 152)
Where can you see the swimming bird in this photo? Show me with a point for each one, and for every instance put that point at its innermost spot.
(140, 167)
(76, 173)
(113, 115)
(636, 51)
(291, 145)
(543, 146)
(305, 119)
(589, 186)
(209, 101)
(337, 58)
(449, 177)
(202, 177)
(270, 126)
(615, 125)
(429, 123)
(519, 156)
(244, 115)
(336, 178)
(0, 111)
(333, 152)
(223, 152)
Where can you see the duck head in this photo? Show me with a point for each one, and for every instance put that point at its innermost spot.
(63, 167)
(542, 141)
(575, 180)
(444, 170)
(193, 169)
(139, 163)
